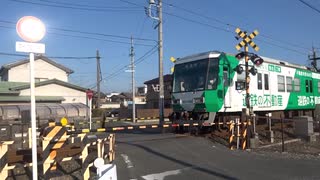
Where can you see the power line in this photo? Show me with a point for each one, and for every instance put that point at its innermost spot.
(232, 25)
(82, 5)
(54, 57)
(310, 6)
(86, 37)
(224, 29)
(90, 33)
(120, 70)
(75, 8)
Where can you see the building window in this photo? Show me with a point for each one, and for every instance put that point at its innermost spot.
(289, 84)
(259, 81)
(296, 83)
(266, 81)
(281, 84)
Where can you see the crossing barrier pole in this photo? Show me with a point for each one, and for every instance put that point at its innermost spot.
(231, 131)
(4, 158)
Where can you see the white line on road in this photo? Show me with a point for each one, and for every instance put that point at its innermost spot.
(161, 176)
(127, 160)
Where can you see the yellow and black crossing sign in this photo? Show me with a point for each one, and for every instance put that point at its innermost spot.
(247, 39)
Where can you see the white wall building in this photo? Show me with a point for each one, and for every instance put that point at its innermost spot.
(51, 83)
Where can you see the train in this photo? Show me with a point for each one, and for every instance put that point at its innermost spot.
(211, 85)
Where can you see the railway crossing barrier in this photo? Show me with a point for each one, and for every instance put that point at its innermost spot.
(238, 130)
(55, 150)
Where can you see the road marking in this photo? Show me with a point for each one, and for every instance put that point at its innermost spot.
(161, 176)
(127, 160)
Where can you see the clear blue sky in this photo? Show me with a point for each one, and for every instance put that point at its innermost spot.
(288, 30)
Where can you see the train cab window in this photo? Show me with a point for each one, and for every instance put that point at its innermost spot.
(281, 84)
(259, 81)
(266, 81)
(289, 84)
(296, 83)
(318, 86)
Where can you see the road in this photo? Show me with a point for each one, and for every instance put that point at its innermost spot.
(156, 156)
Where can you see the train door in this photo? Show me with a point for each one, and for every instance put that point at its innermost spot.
(264, 98)
(227, 90)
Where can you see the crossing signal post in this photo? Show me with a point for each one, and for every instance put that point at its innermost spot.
(256, 60)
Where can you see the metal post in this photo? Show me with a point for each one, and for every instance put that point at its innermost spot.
(98, 78)
(248, 110)
(282, 139)
(133, 83)
(161, 92)
(33, 120)
(238, 133)
(90, 113)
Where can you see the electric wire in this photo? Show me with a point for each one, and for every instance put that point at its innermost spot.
(75, 8)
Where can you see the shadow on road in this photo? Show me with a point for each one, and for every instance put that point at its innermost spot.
(208, 171)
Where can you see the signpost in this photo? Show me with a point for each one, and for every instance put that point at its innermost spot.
(89, 96)
(31, 29)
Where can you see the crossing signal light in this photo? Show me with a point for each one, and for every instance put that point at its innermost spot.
(240, 55)
(256, 60)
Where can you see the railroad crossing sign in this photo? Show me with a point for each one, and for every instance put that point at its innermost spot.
(247, 39)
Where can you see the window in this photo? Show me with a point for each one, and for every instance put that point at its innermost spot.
(318, 86)
(266, 81)
(289, 84)
(296, 83)
(40, 79)
(308, 86)
(259, 81)
(281, 84)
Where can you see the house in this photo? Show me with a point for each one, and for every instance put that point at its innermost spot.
(51, 83)
(44, 69)
(152, 97)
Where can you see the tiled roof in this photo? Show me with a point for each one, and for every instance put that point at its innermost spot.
(5, 87)
(51, 81)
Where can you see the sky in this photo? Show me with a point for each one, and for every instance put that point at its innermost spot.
(76, 29)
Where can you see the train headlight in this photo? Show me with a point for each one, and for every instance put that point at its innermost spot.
(198, 100)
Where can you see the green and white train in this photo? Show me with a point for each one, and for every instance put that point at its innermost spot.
(209, 84)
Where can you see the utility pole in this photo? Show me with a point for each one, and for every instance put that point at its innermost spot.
(160, 49)
(133, 83)
(314, 59)
(98, 78)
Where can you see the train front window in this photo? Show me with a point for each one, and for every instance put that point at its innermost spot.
(190, 76)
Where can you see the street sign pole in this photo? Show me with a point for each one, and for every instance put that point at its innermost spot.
(33, 119)
(32, 30)
(90, 114)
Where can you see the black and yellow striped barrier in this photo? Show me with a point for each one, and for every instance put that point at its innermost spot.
(3, 158)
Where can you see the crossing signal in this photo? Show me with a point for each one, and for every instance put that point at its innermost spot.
(256, 60)
(240, 55)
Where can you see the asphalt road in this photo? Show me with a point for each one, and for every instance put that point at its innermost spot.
(156, 156)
